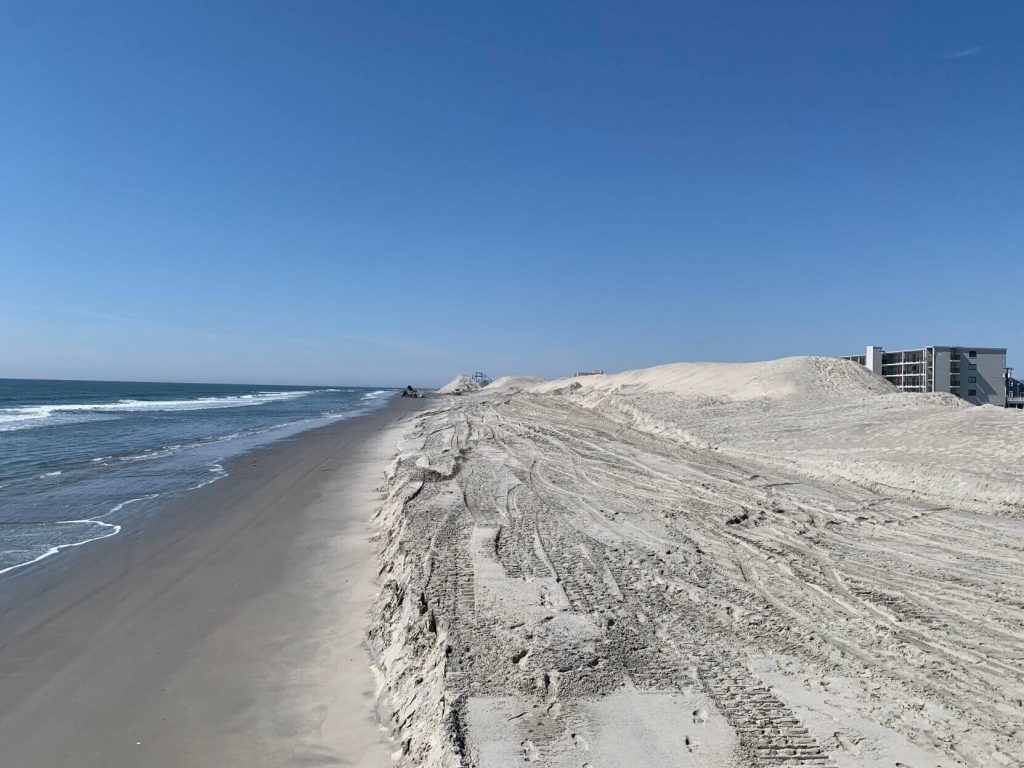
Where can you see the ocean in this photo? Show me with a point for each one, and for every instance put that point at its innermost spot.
(80, 458)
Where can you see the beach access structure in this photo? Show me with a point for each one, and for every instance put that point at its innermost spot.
(975, 374)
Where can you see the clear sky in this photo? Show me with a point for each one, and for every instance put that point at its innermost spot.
(392, 192)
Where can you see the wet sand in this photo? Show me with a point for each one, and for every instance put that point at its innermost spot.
(227, 629)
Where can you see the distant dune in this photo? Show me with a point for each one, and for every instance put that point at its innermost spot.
(510, 384)
(460, 385)
(736, 381)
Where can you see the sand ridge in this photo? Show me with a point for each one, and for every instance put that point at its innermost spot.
(460, 385)
(571, 577)
(815, 376)
(826, 419)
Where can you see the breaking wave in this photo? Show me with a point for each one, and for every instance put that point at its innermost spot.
(30, 416)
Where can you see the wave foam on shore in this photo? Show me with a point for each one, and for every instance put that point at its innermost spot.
(29, 416)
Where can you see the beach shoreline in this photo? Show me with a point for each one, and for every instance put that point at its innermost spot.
(560, 573)
(227, 629)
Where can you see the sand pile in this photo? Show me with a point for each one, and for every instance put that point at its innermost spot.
(507, 385)
(820, 376)
(460, 385)
(824, 418)
(681, 572)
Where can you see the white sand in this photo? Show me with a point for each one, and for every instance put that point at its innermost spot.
(807, 376)
(460, 385)
(827, 419)
(507, 385)
(770, 564)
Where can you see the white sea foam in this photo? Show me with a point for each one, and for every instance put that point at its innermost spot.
(217, 470)
(29, 416)
(113, 531)
(123, 504)
(95, 528)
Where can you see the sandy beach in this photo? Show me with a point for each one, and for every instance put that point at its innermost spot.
(227, 630)
(490, 385)
(786, 563)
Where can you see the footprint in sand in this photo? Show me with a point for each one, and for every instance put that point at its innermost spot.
(530, 751)
(848, 745)
(580, 742)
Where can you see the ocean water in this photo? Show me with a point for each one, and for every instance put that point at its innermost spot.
(79, 458)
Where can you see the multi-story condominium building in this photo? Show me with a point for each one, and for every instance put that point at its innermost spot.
(1014, 391)
(977, 374)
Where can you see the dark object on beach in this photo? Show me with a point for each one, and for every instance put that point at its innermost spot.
(409, 392)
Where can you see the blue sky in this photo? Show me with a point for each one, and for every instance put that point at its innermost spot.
(383, 193)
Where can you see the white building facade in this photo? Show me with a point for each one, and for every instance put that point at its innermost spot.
(976, 374)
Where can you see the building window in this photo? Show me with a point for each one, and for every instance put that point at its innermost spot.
(972, 379)
(972, 367)
(972, 353)
(972, 393)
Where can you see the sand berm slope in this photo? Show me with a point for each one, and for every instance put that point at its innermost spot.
(772, 564)
(461, 384)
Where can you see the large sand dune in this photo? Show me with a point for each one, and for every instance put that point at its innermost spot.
(771, 564)
(460, 385)
(817, 376)
(824, 418)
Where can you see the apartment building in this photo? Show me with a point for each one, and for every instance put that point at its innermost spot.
(1014, 391)
(976, 374)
